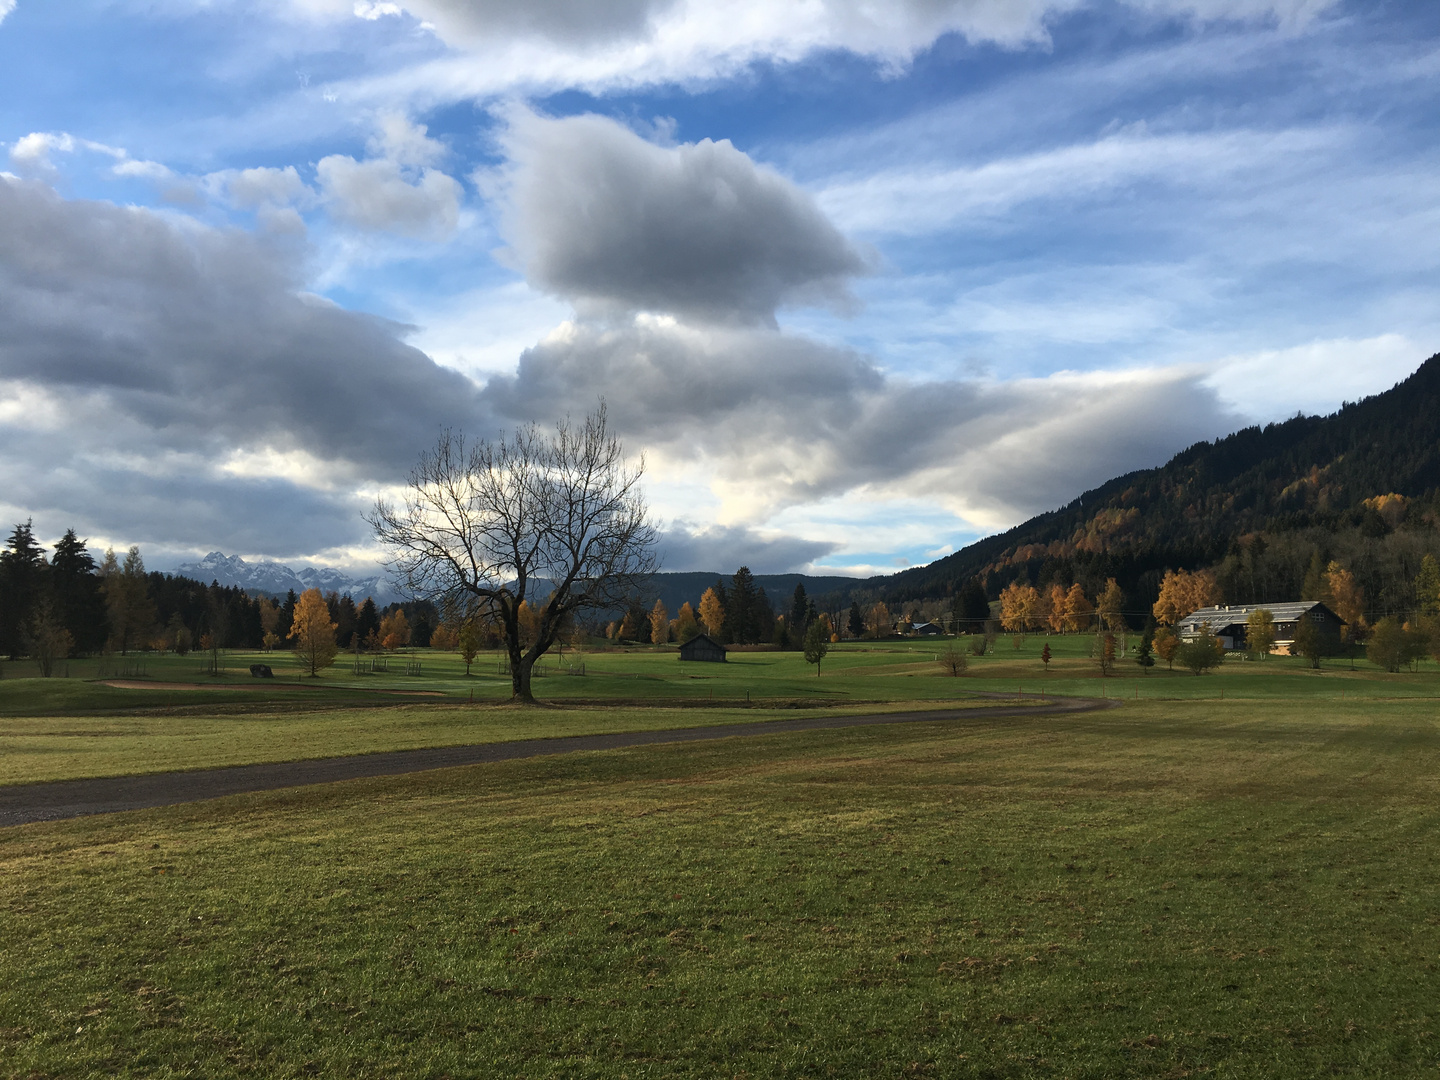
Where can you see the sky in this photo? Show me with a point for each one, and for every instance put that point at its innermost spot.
(861, 281)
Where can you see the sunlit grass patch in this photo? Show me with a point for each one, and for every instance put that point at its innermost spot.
(1156, 890)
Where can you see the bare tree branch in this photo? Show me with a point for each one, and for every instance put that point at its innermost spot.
(483, 526)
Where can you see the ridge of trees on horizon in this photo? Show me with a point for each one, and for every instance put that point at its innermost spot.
(66, 604)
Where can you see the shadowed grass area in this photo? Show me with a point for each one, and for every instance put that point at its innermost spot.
(1160, 890)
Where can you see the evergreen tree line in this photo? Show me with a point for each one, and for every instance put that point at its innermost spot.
(65, 603)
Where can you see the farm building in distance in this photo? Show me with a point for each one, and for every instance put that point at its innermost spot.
(1227, 623)
(703, 647)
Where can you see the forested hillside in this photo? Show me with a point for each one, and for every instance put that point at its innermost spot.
(1361, 486)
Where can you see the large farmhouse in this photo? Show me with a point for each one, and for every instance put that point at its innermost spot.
(1227, 623)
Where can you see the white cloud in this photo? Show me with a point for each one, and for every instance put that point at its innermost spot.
(378, 195)
(916, 201)
(392, 193)
(6, 7)
(1313, 378)
(498, 48)
(31, 153)
(609, 221)
(253, 188)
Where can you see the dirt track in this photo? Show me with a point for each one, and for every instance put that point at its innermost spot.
(21, 804)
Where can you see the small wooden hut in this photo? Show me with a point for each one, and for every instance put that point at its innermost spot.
(703, 647)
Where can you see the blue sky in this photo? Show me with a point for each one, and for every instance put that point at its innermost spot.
(863, 282)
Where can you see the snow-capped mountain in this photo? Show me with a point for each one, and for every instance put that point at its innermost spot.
(278, 579)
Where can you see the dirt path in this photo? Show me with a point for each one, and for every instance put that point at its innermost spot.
(136, 684)
(59, 799)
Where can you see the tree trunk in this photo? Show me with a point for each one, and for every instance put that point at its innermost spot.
(520, 669)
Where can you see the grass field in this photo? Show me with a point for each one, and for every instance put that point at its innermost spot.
(1164, 889)
(902, 670)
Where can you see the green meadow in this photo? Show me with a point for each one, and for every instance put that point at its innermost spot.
(1232, 875)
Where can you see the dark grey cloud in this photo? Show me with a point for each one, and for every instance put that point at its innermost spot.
(164, 381)
(721, 547)
(203, 337)
(601, 217)
(562, 21)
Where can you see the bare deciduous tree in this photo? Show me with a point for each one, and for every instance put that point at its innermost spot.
(488, 526)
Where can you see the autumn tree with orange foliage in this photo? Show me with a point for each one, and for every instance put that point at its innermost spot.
(1078, 609)
(659, 623)
(1055, 614)
(313, 632)
(1348, 600)
(394, 630)
(1019, 604)
(1183, 593)
(712, 612)
(1110, 606)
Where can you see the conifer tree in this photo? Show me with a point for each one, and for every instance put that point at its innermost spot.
(799, 605)
(75, 588)
(22, 580)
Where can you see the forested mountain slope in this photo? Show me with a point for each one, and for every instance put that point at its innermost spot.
(1313, 486)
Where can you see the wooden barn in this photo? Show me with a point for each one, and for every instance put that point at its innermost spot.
(703, 647)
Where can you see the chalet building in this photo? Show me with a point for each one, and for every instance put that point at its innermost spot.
(703, 647)
(1227, 623)
(926, 629)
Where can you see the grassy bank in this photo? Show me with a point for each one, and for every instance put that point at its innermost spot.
(1166, 889)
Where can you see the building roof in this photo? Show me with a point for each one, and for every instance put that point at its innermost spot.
(1229, 614)
(705, 638)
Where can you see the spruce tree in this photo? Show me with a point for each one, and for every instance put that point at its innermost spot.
(798, 608)
(856, 623)
(22, 582)
(75, 589)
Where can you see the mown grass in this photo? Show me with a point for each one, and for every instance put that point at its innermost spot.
(35, 749)
(903, 670)
(1159, 890)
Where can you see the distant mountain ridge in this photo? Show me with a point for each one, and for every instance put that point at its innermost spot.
(673, 588)
(1322, 476)
(277, 579)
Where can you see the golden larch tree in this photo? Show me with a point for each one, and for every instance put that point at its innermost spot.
(712, 613)
(1110, 605)
(659, 623)
(1019, 604)
(313, 632)
(1183, 593)
(1056, 613)
(1078, 609)
(394, 630)
(1348, 598)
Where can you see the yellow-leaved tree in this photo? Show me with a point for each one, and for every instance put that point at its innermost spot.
(1110, 605)
(394, 630)
(313, 632)
(712, 613)
(1348, 598)
(1183, 593)
(1056, 614)
(1018, 606)
(659, 623)
(1078, 609)
(686, 625)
